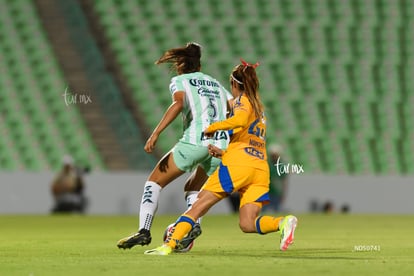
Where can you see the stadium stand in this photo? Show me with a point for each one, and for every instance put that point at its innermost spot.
(107, 93)
(335, 74)
(37, 128)
(336, 77)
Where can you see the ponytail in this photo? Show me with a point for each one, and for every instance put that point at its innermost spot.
(184, 59)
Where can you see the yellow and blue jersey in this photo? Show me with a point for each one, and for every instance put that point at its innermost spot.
(248, 144)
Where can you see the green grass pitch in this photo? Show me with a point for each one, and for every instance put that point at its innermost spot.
(324, 245)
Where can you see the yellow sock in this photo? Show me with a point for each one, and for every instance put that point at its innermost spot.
(183, 225)
(267, 224)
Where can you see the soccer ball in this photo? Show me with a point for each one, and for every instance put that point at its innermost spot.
(168, 231)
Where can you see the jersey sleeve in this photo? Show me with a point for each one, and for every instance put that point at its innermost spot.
(176, 85)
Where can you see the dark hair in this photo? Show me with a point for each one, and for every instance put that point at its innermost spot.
(184, 59)
(246, 78)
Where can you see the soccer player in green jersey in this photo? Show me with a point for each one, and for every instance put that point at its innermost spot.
(201, 100)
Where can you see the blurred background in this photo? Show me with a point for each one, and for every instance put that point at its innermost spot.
(77, 79)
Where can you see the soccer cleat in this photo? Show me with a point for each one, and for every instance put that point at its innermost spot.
(183, 245)
(162, 250)
(287, 231)
(143, 237)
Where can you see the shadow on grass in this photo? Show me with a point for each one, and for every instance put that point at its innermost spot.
(303, 254)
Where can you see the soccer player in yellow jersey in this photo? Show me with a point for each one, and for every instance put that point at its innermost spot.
(244, 168)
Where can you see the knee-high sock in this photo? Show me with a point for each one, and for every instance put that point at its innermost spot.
(267, 224)
(149, 204)
(183, 225)
(191, 197)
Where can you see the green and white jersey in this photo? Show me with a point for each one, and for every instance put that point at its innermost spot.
(206, 103)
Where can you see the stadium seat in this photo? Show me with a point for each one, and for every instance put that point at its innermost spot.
(334, 74)
(32, 99)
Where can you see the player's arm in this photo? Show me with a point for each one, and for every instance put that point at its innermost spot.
(170, 114)
(239, 119)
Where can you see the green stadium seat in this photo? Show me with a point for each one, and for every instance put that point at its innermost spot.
(32, 86)
(7, 160)
(366, 11)
(318, 11)
(331, 70)
(401, 148)
(336, 36)
(293, 11)
(407, 9)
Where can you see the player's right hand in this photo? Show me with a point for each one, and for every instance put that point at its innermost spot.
(150, 144)
(215, 151)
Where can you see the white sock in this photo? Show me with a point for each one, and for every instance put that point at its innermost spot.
(191, 197)
(149, 204)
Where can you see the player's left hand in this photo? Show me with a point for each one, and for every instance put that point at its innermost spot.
(208, 134)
